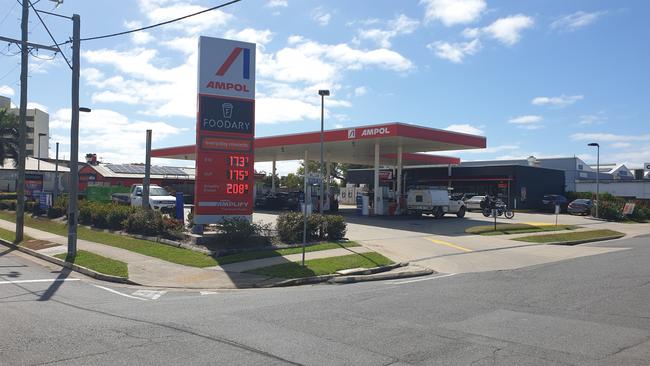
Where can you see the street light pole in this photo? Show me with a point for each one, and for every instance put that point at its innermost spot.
(597, 174)
(38, 164)
(323, 94)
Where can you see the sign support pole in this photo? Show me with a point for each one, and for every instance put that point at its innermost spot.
(304, 210)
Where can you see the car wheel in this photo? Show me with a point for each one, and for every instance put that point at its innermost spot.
(461, 213)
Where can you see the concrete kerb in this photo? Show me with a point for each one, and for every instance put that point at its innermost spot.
(86, 271)
(583, 241)
(370, 274)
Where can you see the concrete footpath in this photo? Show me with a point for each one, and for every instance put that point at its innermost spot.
(154, 272)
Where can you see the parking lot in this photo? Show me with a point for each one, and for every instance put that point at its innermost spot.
(443, 245)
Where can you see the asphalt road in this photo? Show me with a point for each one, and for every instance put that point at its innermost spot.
(587, 311)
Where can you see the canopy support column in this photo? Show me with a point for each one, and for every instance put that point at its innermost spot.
(273, 177)
(398, 210)
(328, 175)
(377, 204)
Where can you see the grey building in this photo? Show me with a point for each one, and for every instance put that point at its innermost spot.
(38, 129)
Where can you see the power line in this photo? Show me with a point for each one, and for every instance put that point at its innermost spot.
(9, 72)
(8, 13)
(50, 33)
(157, 24)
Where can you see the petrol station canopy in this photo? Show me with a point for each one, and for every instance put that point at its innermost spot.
(355, 145)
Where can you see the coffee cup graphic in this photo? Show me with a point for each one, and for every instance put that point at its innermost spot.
(227, 110)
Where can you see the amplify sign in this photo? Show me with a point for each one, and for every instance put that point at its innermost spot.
(225, 131)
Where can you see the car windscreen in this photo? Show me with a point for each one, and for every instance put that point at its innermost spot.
(157, 191)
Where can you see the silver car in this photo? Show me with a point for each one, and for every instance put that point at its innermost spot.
(474, 203)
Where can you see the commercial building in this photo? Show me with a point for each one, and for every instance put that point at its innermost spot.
(39, 176)
(520, 186)
(38, 129)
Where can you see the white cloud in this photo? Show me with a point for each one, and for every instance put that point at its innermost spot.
(561, 101)
(277, 4)
(471, 33)
(525, 120)
(34, 105)
(576, 20)
(275, 110)
(488, 150)
(452, 12)
(620, 145)
(7, 91)
(360, 91)
(98, 131)
(398, 26)
(508, 30)
(609, 137)
(465, 128)
(157, 11)
(320, 16)
(260, 37)
(592, 119)
(455, 52)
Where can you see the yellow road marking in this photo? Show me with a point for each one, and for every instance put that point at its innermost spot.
(538, 223)
(449, 244)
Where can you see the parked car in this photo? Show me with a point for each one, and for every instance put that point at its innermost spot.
(159, 198)
(550, 200)
(278, 201)
(580, 207)
(474, 203)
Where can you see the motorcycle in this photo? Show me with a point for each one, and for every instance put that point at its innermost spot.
(501, 208)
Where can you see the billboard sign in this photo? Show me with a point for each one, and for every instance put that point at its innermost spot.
(225, 130)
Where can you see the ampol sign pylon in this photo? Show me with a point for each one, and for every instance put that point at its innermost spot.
(225, 131)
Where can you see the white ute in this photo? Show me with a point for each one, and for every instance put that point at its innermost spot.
(159, 198)
(435, 201)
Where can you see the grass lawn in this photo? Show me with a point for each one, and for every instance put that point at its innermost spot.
(9, 235)
(505, 229)
(165, 252)
(323, 266)
(98, 263)
(259, 254)
(581, 235)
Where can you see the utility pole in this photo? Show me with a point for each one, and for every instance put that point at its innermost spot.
(56, 174)
(22, 128)
(74, 138)
(147, 173)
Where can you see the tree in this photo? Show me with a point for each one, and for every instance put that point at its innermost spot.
(8, 136)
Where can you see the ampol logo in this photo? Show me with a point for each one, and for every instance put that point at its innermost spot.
(232, 57)
(352, 133)
(246, 75)
(375, 131)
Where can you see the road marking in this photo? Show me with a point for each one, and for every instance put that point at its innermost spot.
(422, 279)
(203, 293)
(45, 280)
(119, 293)
(449, 244)
(149, 294)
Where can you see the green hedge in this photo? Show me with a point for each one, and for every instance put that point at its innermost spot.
(290, 227)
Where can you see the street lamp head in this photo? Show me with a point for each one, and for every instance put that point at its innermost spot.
(324, 92)
(84, 109)
(42, 134)
(593, 144)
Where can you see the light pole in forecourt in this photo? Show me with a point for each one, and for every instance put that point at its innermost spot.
(597, 174)
(38, 166)
(323, 94)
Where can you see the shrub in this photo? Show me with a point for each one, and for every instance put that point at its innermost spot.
(8, 204)
(116, 215)
(335, 227)
(290, 227)
(54, 212)
(172, 226)
(145, 222)
(237, 231)
(610, 210)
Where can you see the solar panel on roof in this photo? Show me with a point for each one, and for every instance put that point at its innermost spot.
(139, 169)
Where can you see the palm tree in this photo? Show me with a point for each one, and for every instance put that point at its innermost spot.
(8, 136)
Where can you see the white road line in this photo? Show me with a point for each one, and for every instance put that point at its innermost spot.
(118, 293)
(149, 294)
(44, 280)
(203, 293)
(422, 279)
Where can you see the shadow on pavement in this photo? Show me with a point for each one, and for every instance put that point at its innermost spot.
(58, 282)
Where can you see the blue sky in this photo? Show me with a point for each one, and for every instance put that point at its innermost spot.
(539, 78)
